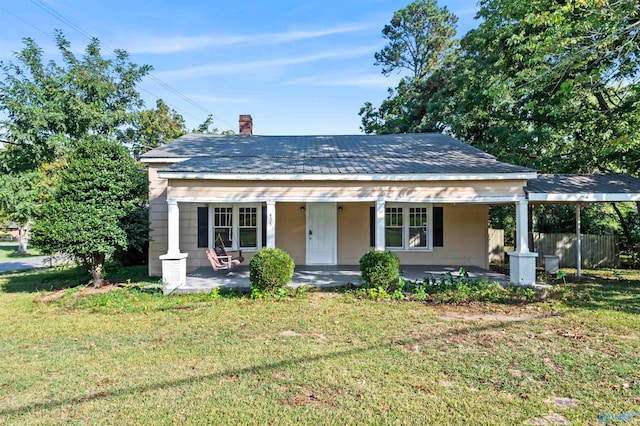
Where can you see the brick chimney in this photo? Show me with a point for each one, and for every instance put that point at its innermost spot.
(246, 124)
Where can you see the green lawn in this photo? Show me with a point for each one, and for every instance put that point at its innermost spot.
(137, 357)
(9, 251)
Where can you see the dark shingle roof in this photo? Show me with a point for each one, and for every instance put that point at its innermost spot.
(584, 184)
(354, 154)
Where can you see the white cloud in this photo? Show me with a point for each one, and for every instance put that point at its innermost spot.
(138, 44)
(253, 67)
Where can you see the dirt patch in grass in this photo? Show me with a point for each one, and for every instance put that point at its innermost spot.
(477, 311)
(551, 419)
(77, 291)
(307, 398)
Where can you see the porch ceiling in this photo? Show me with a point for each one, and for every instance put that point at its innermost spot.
(582, 188)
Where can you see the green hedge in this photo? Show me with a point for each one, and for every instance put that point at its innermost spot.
(270, 269)
(380, 269)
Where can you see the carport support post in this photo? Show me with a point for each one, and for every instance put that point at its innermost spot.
(271, 224)
(578, 243)
(380, 240)
(174, 263)
(522, 262)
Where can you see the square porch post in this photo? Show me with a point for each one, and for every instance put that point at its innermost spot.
(271, 224)
(522, 262)
(380, 238)
(174, 263)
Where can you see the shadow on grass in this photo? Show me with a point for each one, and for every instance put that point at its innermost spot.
(32, 281)
(9, 252)
(608, 294)
(253, 369)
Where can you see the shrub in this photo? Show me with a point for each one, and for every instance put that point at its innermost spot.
(270, 269)
(380, 269)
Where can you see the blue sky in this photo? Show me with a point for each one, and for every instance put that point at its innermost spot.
(298, 67)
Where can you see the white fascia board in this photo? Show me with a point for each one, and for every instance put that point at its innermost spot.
(350, 177)
(583, 197)
(339, 199)
(163, 160)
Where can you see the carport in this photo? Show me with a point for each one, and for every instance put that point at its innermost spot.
(580, 189)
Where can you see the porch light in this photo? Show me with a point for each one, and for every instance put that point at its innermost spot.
(340, 209)
(302, 209)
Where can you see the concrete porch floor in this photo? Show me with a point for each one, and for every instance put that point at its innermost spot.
(205, 278)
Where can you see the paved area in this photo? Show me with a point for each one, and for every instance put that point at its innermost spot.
(22, 263)
(29, 263)
(205, 279)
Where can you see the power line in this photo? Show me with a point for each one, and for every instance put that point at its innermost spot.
(49, 35)
(163, 84)
(25, 21)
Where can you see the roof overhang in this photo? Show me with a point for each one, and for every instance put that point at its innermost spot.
(598, 188)
(163, 160)
(582, 197)
(348, 177)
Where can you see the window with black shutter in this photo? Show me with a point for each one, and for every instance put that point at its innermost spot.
(203, 227)
(438, 226)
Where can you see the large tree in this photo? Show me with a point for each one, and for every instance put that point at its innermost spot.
(48, 107)
(553, 85)
(155, 127)
(420, 39)
(98, 188)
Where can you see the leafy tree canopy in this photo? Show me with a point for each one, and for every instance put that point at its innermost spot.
(552, 85)
(420, 40)
(50, 107)
(99, 187)
(154, 127)
(419, 35)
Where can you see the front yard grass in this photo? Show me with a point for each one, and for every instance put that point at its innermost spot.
(133, 356)
(9, 251)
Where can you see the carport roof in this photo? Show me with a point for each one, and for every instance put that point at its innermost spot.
(557, 188)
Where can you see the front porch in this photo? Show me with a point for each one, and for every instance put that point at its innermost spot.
(205, 278)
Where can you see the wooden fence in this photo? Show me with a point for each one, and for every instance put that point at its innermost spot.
(598, 251)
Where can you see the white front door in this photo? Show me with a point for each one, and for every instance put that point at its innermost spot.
(321, 234)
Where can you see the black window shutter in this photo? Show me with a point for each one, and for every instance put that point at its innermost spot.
(203, 227)
(264, 226)
(372, 226)
(438, 227)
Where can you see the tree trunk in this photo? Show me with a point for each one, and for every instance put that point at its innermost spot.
(623, 223)
(97, 264)
(23, 238)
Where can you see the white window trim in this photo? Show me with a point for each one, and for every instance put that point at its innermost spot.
(235, 226)
(406, 226)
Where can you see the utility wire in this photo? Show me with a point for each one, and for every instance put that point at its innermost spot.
(86, 35)
(165, 85)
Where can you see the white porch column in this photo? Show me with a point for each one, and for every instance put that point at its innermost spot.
(271, 224)
(380, 240)
(578, 242)
(522, 262)
(173, 223)
(174, 263)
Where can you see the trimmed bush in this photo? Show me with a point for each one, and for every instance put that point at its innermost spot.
(270, 269)
(380, 269)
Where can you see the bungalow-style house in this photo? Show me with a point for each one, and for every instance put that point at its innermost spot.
(327, 200)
